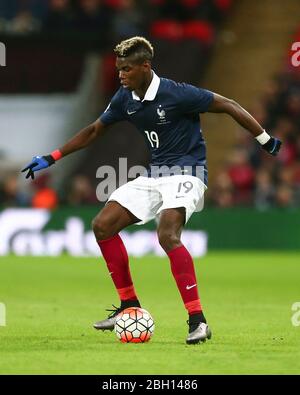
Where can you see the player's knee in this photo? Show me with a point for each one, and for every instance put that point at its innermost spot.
(168, 240)
(101, 228)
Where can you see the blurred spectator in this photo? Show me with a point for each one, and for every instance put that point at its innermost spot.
(23, 23)
(264, 190)
(293, 106)
(242, 175)
(93, 16)
(284, 196)
(60, 16)
(221, 192)
(44, 196)
(129, 20)
(81, 192)
(10, 194)
(286, 176)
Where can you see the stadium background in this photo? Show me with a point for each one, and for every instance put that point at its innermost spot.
(59, 76)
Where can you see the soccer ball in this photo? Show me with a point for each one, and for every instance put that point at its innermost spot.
(134, 325)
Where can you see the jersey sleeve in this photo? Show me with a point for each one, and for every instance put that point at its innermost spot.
(194, 100)
(114, 111)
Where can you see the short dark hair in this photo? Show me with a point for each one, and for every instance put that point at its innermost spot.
(139, 47)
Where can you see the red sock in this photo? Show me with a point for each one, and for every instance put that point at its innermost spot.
(115, 255)
(182, 267)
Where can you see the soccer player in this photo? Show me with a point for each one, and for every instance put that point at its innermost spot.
(167, 114)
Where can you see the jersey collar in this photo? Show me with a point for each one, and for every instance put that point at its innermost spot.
(151, 91)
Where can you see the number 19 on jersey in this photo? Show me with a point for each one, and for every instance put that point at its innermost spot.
(153, 138)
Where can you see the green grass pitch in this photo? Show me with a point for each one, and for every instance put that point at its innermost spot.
(51, 304)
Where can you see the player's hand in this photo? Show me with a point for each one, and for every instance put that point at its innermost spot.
(272, 146)
(38, 163)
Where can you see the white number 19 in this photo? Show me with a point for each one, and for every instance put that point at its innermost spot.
(153, 138)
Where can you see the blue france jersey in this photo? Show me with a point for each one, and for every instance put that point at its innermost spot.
(168, 118)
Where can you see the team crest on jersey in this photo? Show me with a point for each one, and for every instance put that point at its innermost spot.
(161, 114)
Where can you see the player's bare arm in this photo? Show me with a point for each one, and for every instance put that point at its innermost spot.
(221, 104)
(81, 140)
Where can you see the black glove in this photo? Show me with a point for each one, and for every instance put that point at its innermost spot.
(38, 163)
(272, 146)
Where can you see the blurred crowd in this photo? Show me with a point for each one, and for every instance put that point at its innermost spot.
(173, 19)
(40, 193)
(250, 177)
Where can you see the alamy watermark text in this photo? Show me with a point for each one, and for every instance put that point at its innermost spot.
(295, 59)
(2, 314)
(2, 54)
(296, 316)
(111, 178)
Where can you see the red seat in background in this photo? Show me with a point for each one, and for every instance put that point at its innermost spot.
(167, 29)
(113, 3)
(223, 5)
(199, 30)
